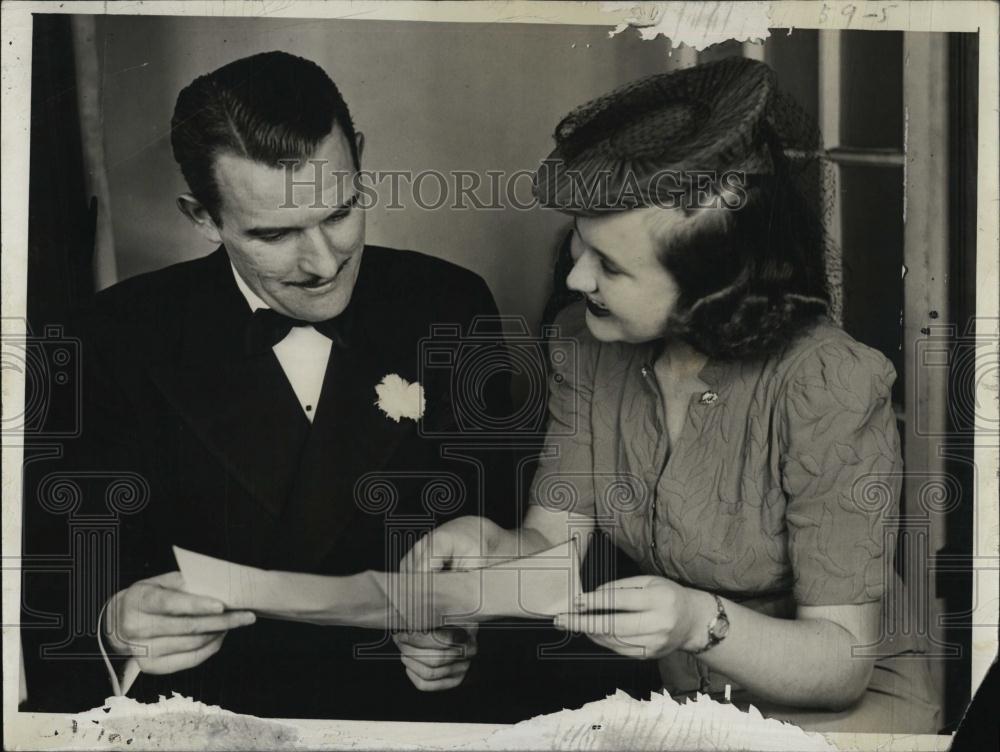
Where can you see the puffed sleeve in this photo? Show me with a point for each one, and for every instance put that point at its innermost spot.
(841, 472)
(564, 479)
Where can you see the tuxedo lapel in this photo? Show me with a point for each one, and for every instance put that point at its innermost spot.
(349, 438)
(244, 410)
(241, 406)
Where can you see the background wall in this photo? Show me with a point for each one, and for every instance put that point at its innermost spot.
(442, 96)
(426, 96)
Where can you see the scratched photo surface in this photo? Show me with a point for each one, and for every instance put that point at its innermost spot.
(484, 363)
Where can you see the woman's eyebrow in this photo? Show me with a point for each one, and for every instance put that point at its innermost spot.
(604, 256)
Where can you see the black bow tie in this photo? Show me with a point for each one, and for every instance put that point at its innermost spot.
(268, 327)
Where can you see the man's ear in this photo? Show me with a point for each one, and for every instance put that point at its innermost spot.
(195, 211)
(359, 140)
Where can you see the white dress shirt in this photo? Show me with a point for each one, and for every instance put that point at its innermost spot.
(303, 355)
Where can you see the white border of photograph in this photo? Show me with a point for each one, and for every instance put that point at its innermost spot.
(690, 22)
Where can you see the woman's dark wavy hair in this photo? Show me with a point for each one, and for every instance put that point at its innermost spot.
(268, 107)
(751, 278)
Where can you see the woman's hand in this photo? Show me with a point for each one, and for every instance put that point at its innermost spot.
(650, 617)
(462, 543)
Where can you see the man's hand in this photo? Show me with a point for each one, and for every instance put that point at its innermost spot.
(643, 617)
(437, 660)
(440, 659)
(166, 629)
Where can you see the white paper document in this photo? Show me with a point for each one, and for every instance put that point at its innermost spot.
(537, 586)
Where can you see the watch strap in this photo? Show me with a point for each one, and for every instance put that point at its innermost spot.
(713, 637)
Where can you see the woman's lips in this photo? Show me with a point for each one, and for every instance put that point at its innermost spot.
(597, 310)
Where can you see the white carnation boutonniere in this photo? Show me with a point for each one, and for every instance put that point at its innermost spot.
(398, 398)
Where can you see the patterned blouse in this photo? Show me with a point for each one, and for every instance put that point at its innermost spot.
(780, 480)
(782, 489)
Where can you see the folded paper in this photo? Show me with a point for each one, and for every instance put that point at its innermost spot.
(537, 586)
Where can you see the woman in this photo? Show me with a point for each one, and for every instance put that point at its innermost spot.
(740, 447)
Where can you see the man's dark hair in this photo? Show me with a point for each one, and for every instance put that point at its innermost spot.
(752, 278)
(268, 107)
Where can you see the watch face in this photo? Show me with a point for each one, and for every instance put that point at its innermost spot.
(720, 629)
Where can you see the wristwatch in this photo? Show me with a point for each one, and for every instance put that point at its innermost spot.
(718, 628)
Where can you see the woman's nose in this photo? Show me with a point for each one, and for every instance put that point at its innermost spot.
(581, 277)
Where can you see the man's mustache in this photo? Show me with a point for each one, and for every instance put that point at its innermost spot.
(319, 281)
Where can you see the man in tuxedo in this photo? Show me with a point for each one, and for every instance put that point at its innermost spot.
(237, 393)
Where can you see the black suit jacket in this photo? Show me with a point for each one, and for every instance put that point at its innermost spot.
(188, 440)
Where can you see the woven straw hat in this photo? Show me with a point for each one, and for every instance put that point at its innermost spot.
(713, 117)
